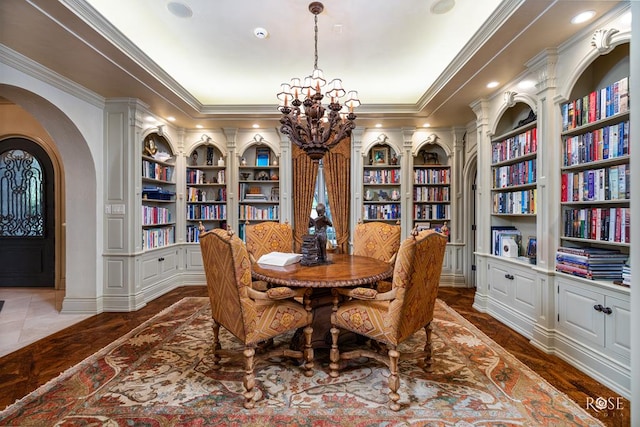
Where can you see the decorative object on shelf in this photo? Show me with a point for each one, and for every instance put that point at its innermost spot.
(368, 195)
(394, 159)
(209, 156)
(309, 250)
(262, 176)
(275, 194)
(532, 249)
(245, 176)
(150, 146)
(430, 158)
(275, 161)
(395, 195)
(380, 155)
(221, 162)
(262, 156)
(243, 162)
(194, 158)
(383, 196)
(307, 129)
(274, 177)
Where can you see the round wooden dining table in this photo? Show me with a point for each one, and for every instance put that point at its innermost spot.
(342, 270)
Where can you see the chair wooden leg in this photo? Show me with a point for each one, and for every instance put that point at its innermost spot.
(308, 352)
(394, 380)
(249, 378)
(216, 345)
(334, 353)
(428, 362)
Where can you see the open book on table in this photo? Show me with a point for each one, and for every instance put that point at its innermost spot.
(279, 258)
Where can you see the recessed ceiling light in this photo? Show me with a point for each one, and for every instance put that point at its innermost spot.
(260, 33)
(491, 85)
(583, 17)
(256, 126)
(180, 10)
(378, 125)
(442, 6)
(171, 119)
(199, 126)
(426, 125)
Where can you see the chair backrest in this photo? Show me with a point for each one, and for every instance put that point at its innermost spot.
(228, 272)
(268, 236)
(377, 239)
(416, 276)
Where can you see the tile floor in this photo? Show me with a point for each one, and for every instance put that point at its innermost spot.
(29, 314)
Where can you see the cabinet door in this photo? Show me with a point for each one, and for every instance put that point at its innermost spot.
(618, 327)
(577, 316)
(500, 283)
(524, 293)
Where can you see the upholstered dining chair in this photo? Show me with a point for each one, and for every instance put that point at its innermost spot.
(265, 237)
(379, 240)
(389, 318)
(251, 316)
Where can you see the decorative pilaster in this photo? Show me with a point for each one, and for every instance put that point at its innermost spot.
(406, 184)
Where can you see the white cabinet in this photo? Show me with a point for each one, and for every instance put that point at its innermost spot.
(159, 265)
(513, 294)
(595, 317)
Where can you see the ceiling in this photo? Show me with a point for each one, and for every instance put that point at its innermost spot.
(410, 64)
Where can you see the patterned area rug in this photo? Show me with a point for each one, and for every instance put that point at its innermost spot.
(160, 375)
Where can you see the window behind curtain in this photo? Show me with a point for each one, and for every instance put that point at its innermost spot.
(320, 196)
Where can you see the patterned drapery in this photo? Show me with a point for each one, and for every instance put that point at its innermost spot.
(304, 172)
(337, 173)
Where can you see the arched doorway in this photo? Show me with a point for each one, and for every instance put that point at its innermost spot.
(27, 216)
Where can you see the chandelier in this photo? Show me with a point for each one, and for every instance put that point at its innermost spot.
(312, 130)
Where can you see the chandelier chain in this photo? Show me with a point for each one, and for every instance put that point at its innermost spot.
(315, 62)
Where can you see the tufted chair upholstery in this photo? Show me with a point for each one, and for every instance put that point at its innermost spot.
(265, 237)
(378, 240)
(250, 315)
(389, 318)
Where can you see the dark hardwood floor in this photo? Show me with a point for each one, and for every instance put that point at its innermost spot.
(26, 369)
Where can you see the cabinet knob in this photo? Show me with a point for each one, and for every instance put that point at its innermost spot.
(598, 307)
(161, 259)
(607, 310)
(509, 276)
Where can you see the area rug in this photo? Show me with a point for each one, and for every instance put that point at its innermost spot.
(160, 375)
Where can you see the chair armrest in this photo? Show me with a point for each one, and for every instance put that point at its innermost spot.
(392, 260)
(279, 293)
(252, 258)
(366, 294)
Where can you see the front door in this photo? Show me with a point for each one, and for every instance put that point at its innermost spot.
(27, 250)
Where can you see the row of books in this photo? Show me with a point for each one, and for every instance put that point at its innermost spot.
(597, 105)
(591, 263)
(193, 232)
(516, 174)
(626, 274)
(152, 215)
(248, 212)
(158, 237)
(514, 147)
(515, 202)
(385, 176)
(608, 142)
(154, 170)
(500, 234)
(442, 212)
(431, 194)
(202, 195)
(196, 176)
(432, 176)
(390, 211)
(611, 183)
(195, 212)
(601, 224)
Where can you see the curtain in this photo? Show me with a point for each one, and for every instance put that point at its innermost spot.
(304, 172)
(337, 173)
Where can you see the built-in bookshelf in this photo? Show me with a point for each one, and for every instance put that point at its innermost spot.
(206, 194)
(514, 175)
(259, 187)
(381, 185)
(431, 188)
(595, 172)
(158, 193)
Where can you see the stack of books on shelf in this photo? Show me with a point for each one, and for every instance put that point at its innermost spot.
(501, 235)
(591, 263)
(626, 274)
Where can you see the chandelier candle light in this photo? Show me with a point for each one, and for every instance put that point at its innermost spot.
(311, 130)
